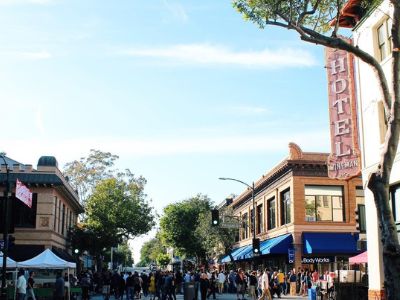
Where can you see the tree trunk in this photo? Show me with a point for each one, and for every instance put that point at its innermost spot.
(389, 238)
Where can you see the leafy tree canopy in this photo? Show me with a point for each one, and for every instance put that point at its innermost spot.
(119, 209)
(179, 223)
(150, 250)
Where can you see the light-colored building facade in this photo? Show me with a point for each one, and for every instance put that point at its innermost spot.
(299, 209)
(372, 34)
(55, 208)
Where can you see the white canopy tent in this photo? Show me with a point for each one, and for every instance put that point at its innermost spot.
(47, 260)
(10, 263)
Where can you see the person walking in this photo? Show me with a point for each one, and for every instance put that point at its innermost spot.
(265, 287)
(30, 294)
(253, 285)
(221, 282)
(204, 285)
(212, 288)
(21, 285)
(292, 282)
(240, 284)
(59, 287)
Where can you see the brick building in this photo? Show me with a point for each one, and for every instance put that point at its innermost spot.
(55, 208)
(298, 208)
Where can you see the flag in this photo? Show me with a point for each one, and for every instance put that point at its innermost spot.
(23, 194)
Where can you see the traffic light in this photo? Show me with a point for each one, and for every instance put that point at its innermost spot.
(357, 218)
(11, 241)
(214, 217)
(256, 246)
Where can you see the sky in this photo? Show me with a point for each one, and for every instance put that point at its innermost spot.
(183, 91)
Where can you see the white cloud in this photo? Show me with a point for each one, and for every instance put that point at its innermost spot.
(205, 54)
(69, 149)
(27, 55)
(176, 10)
(18, 2)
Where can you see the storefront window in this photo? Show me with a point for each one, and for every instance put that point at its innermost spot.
(285, 207)
(324, 203)
(259, 219)
(271, 213)
(245, 226)
(395, 202)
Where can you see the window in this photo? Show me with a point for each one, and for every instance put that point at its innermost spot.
(260, 220)
(361, 217)
(55, 213)
(324, 203)
(245, 226)
(251, 220)
(59, 216)
(285, 207)
(63, 219)
(23, 216)
(384, 37)
(271, 213)
(395, 202)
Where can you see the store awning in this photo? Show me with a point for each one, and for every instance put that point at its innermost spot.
(330, 243)
(276, 245)
(359, 259)
(235, 254)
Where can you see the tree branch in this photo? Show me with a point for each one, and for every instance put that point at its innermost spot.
(307, 12)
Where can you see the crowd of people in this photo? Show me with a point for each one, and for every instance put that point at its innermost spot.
(164, 285)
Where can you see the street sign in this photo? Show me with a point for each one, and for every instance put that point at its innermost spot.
(291, 256)
(230, 222)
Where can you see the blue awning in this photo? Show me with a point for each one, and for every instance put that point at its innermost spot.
(330, 243)
(235, 254)
(276, 245)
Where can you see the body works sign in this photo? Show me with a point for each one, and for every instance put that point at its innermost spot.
(344, 160)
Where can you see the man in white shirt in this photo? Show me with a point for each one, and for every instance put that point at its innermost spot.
(21, 285)
(221, 282)
(265, 286)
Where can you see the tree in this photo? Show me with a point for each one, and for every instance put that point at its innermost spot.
(119, 210)
(179, 223)
(84, 174)
(310, 19)
(163, 259)
(150, 251)
(216, 240)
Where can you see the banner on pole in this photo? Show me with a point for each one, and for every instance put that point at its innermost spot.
(23, 194)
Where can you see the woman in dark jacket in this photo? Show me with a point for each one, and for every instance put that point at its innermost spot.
(212, 287)
(204, 286)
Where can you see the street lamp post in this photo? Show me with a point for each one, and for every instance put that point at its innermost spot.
(5, 231)
(252, 197)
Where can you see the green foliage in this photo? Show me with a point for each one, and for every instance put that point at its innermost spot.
(88, 171)
(314, 14)
(122, 255)
(150, 251)
(118, 209)
(179, 224)
(216, 240)
(163, 259)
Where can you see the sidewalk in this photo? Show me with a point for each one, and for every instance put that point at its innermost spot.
(219, 297)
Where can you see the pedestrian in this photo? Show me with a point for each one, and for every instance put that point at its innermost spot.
(30, 294)
(281, 281)
(240, 284)
(106, 285)
(232, 282)
(292, 282)
(212, 287)
(85, 285)
(196, 279)
(253, 285)
(59, 287)
(221, 282)
(152, 286)
(265, 286)
(274, 284)
(21, 285)
(204, 286)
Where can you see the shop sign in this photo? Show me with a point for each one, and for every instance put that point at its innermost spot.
(291, 256)
(344, 161)
(317, 260)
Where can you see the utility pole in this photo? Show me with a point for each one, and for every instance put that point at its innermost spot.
(6, 222)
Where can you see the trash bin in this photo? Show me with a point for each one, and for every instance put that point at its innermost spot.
(312, 293)
(188, 291)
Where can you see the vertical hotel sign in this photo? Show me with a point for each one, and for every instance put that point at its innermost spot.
(344, 161)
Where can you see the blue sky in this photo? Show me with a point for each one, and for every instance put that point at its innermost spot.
(184, 91)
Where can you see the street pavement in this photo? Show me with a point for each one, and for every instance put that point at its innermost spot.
(219, 297)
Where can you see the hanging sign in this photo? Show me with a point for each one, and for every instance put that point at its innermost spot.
(291, 256)
(344, 161)
(23, 194)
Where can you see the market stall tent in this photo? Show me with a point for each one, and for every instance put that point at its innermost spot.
(46, 260)
(10, 263)
(359, 259)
